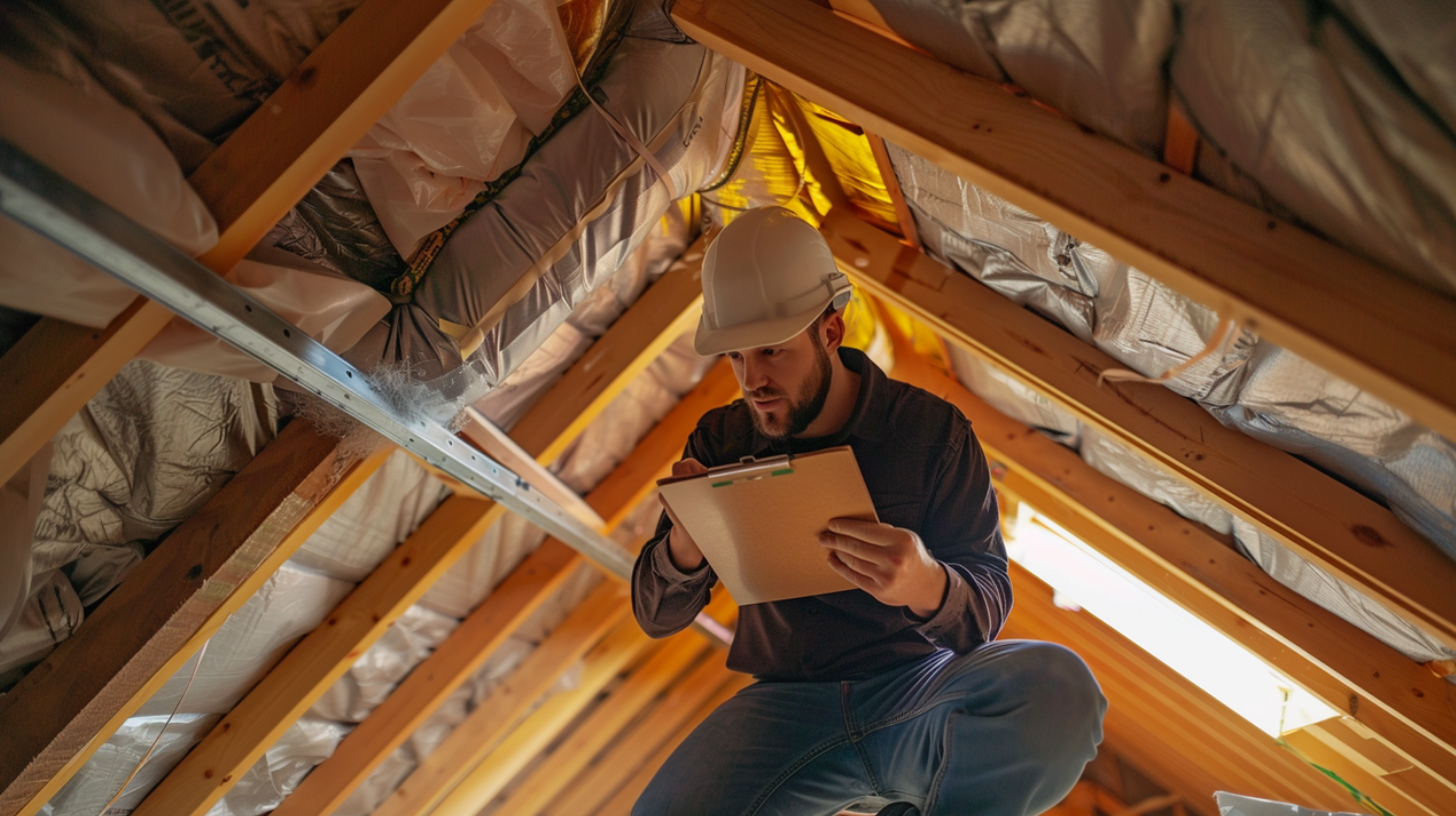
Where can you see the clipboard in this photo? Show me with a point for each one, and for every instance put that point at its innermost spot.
(758, 521)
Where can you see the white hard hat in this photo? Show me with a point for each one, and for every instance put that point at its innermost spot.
(765, 279)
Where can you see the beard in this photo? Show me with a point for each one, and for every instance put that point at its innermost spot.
(804, 408)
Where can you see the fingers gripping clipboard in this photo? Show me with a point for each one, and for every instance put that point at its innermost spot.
(758, 522)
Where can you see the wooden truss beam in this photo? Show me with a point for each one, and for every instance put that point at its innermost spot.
(668, 307)
(1373, 769)
(621, 802)
(1154, 706)
(528, 586)
(602, 665)
(1352, 537)
(1363, 323)
(296, 683)
(70, 704)
(337, 93)
(584, 792)
(1347, 669)
(494, 719)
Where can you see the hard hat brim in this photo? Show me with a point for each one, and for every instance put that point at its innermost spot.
(712, 342)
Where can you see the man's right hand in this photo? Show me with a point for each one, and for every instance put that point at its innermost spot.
(680, 546)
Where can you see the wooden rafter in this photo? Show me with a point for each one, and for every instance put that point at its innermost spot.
(530, 585)
(1332, 659)
(623, 647)
(1373, 328)
(621, 802)
(334, 96)
(295, 684)
(65, 708)
(1374, 770)
(494, 719)
(668, 307)
(584, 792)
(1355, 539)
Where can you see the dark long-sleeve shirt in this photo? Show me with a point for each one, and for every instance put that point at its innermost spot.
(925, 472)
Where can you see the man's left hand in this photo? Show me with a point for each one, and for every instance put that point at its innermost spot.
(890, 563)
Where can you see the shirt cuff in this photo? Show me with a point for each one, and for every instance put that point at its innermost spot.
(663, 566)
(950, 619)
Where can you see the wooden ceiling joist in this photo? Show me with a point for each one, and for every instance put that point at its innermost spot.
(1402, 792)
(1153, 706)
(65, 708)
(1373, 328)
(603, 664)
(626, 795)
(311, 667)
(669, 307)
(585, 791)
(528, 586)
(276, 156)
(1352, 537)
(497, 715)
(672, 666)
(1349, 670)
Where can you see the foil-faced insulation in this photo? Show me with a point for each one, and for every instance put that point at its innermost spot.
(145, 453)
(1337, 114)
(289, 605)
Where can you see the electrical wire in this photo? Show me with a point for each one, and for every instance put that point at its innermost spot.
(157, 741)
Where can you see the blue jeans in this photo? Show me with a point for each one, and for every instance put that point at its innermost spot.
(1002, 731)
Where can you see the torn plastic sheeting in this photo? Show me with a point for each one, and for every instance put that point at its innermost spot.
(1313, 111)
(47, 617)
(86, 136)
(92, 787)
(1230, 804)
(1099, 62)
(579, 208)
(322, 304)
(1013, 398)
(367, 527)
(282, 767)
(466, 120)
(1008, 249)
(1296, 406)
(1312, 582)
(508, 402)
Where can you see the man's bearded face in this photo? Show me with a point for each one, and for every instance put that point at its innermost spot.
(781, 410)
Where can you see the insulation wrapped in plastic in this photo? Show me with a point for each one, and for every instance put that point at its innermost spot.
(193, 69)
(83, 134)
(582, 203)
(1295, 405)
(1110, 456)
(466, 120)
(89, 791)
(1100, 62)
(1341, 111)
(368, 682)
(145, 453)
(306, 743)
(289, 605)
(334, 225)
(1152, 329)
(509, 401)
(1312, 582)
(1013, 398)
(1008, 249)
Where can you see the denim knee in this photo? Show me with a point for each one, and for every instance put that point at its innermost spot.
(1064, 703)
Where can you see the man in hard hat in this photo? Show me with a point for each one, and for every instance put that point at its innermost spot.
(891, 697)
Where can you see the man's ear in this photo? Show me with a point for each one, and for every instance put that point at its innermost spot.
(832, 330)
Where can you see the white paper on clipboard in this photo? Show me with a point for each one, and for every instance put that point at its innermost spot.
(758, 522)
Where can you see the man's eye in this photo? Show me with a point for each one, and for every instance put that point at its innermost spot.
(733, 355)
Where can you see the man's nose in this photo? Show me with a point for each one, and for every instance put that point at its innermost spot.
(754, 376)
